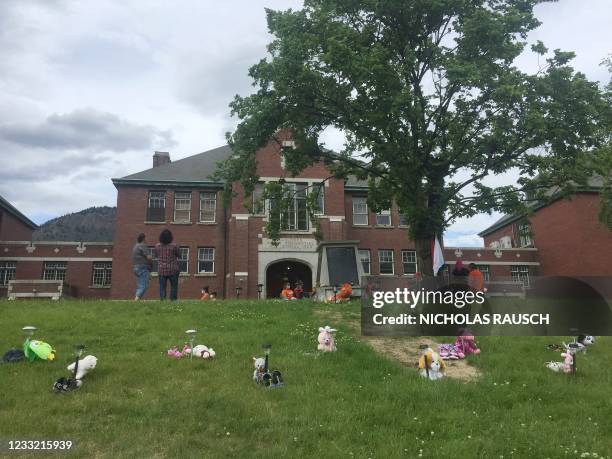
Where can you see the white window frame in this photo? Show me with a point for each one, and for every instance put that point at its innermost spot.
(409, 257)
(361, 203)
(153, 255)
(386, 214)
(524, 233)
(380, 262)
(486, 272)
(156, 200)
(182, 203)
(101, 270)
(55, 268)
(183, 251)
(208, 197)
(320, 189)
(368, 260)
(8, 270)
(520, 274)
(292, 215)
(201, 252)
(259, 203)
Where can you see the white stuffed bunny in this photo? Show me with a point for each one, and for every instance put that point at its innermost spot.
(86, 364)
(201, 351)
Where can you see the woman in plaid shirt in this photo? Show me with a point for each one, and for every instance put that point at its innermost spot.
(167, 265)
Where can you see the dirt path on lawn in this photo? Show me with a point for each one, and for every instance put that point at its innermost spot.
(403, 349)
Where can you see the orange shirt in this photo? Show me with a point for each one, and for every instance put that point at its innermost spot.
(287, 293)
(476, 280)
(345, 291)
(205, 296)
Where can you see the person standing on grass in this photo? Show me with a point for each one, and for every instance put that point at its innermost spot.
(142, 266)
(167, 265)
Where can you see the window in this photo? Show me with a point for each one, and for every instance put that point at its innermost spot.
(156, 212)
(182, 207)
(101, 274)
(360, 211)
(183, 260)
(206, 260)
(486, 272)
(364, 257)
(295, 217)
(319, 191)
(153, 256)
(7, 271)
(403, 220)
(208, 207)
(54, 270)
(409, 261)
(520, 274)
(524, 230)
(385, 260)
(383, 218)
(259, 206)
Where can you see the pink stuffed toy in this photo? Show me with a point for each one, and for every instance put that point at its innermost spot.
(326, 339)
(175, 353)
(466, 345)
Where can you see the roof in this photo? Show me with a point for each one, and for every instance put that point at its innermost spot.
(7, 206)
(196, 169)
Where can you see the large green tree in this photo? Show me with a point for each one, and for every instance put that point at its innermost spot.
(430, 101)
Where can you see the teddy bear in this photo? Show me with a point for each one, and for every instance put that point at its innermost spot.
(86, 364)
(584, 341)
(466, 345)
(567, 366)
(200, 351)
(326, 339)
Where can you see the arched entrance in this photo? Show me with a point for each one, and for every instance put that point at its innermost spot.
(283, 271)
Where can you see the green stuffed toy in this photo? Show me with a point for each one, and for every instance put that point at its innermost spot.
(38, 350)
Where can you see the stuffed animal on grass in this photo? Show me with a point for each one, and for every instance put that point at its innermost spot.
(200, 351)
(567, 366)
(38, 350)
(466, 345)
(584, 341)
(175, 353)
(86, 364)
(431, 365)
(262, 376)
(326, 339)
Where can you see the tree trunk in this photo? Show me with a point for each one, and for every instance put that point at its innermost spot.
(424, 256)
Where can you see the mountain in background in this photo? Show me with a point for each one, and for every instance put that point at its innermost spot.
(96, 224)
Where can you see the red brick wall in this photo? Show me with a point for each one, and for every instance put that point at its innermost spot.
(13, 229)
(496, 235)
(132, 204)
(570, 238)
(79, 265)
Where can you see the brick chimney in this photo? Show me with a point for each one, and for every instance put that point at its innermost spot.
(160, 158)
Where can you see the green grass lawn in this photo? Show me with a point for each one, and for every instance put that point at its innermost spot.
(352, 403)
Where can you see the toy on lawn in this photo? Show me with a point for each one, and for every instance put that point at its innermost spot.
(431, 365)
(79, 368)
(343, 295)
(35, 349)
(464, 345)
(176, 354)
(583, 342)
(262, 374)
(200, 351)
(326, 339)
(569, 363)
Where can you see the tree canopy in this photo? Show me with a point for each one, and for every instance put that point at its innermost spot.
(431, 102)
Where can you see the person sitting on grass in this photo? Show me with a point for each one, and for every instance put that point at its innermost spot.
(205, 294)
(287, 294)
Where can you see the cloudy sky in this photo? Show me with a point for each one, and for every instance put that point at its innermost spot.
(88, 90)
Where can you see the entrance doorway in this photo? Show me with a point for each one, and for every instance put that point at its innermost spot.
(285, 271)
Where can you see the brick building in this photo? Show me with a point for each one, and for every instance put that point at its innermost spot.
(83, 268)
(226, 248)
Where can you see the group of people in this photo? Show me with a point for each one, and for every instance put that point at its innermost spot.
(470, 277)
(297, 293)
(167, 255)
